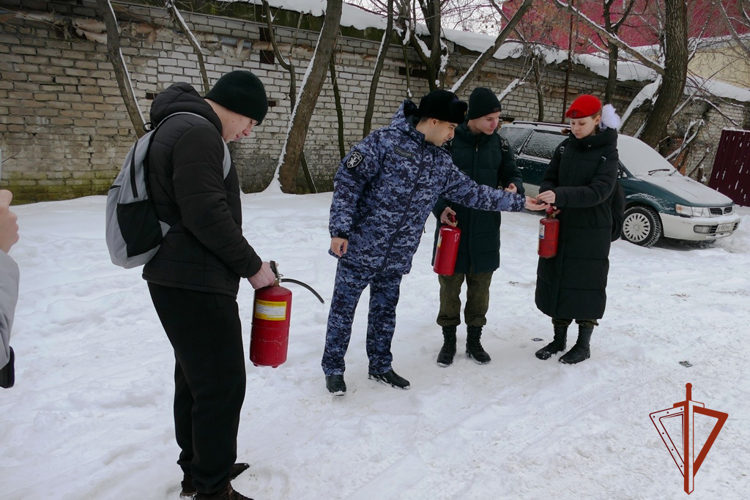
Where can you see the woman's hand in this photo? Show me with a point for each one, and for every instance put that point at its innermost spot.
(546, 197)
(532, 204)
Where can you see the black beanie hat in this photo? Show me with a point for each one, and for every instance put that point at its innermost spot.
(483, 101)
(242, 92)
(442, 105)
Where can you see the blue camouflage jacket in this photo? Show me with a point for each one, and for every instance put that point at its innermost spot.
(386, 187)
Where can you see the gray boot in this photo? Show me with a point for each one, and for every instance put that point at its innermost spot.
(445, 358)
(474, 345)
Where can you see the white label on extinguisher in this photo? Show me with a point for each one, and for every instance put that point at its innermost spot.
(270, 311)
(440, 240)
(541, 231)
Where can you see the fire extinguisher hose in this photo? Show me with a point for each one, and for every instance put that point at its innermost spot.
(275, 270)
(305, 285)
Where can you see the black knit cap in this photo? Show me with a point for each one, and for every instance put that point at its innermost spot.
(442, 105)
(242, 92)
(483, 101)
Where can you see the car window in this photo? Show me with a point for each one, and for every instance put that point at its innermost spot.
(640, 158)
(543, 144)
(515, 136)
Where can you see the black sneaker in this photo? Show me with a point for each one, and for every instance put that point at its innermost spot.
(336, 385)
(391, 378)
(188, 490)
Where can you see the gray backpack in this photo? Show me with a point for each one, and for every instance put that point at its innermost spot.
(133, 231)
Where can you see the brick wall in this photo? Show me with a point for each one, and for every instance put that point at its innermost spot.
(64, 130)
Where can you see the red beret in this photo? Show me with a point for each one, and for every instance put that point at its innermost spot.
(583, 106)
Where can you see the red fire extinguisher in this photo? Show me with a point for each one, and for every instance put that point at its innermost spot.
(447, 249)
(272, 313)
(549, 230)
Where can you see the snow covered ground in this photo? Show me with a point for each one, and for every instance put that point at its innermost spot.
(90, 416)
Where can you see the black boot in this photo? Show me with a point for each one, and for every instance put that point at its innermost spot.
(580, 351)
(474, 346)
(391, 378)
(557, 344)
(336, 385)
(226, 493)
(188, 490)
(445, 358)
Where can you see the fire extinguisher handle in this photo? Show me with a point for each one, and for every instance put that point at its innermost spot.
(275, 269)
(305, 285)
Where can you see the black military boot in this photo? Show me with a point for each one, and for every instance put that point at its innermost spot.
(445, 358)
(391, 378)
(226, 493)
(474, 346)
(188, 490)
(557, 344)
(580, 351)
(336, 385)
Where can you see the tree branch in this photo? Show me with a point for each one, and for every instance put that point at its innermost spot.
(120, 68)
(613, 39)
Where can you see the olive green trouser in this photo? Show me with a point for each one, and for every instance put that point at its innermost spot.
(477, 299)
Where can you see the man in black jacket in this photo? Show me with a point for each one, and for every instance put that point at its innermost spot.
(488, 159)
(194, 277)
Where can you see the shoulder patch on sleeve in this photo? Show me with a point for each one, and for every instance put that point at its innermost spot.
(354, 159)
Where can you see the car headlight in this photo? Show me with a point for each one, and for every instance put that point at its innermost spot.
(688, 211)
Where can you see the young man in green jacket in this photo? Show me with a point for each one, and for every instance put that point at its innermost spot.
(488, 159)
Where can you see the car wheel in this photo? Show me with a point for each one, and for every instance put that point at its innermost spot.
(642, 226)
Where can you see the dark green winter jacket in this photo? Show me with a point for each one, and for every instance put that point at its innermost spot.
(489, 160)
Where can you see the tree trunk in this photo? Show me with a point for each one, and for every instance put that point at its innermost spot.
(121, 70)
(378, 69)
(193, 41)
(311, 86)
(614, 55)
(675, 73)
(339, 109)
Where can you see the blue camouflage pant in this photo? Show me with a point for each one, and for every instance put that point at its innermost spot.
(381, 321)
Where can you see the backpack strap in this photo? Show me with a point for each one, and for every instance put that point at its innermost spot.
(227, 163)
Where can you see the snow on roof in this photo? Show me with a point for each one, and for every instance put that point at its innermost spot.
(718, 88)
(358, 18)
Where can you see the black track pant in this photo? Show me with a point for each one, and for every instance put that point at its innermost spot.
(205, 332)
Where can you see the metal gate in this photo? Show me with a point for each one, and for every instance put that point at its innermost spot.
(731, 172)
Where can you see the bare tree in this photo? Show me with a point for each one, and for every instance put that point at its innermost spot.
(289, 66)
(172, 8)
(121, 70)
(378, 69)
(312, 84)
(613, 51)
(485, 56)
(739, 21)
(339, 108)
(434, 57)
(673, 72)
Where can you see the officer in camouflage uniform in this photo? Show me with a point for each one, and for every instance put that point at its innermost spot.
(384, 191)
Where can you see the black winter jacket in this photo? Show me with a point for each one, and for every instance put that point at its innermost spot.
(583, 175)
(488, 160)
(204, 250)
